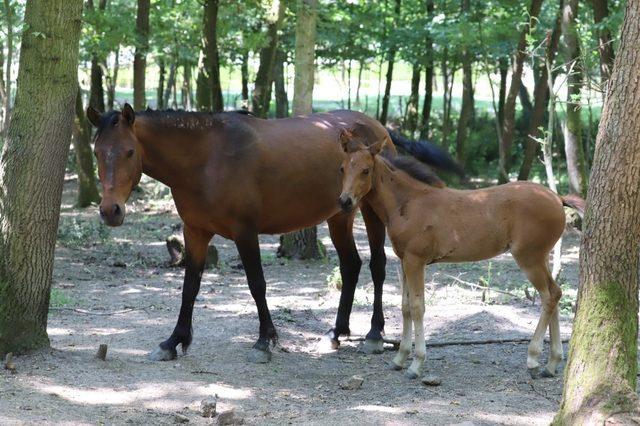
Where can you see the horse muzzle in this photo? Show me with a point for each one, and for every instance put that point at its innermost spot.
(112, 214)
(347, 203)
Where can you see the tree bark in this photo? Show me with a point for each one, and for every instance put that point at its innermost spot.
(32, 168)
(208, 88)
(160, 89)
(428, 76)
(187, 96)
(541, 97)
(87, 188)
(503, 67)
(509, 119)
(8, 10)
(572, 127)
(140, 58)
(466, 110)
(282, 101)
(244, 71)
(261, 98)
(171, 82)
(414, 100)
(303, 244)
(600, 376)
(391, 58)
(605, 42)
(112, 80)
(96, 89)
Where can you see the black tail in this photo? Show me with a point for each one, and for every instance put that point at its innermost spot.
(428, 153)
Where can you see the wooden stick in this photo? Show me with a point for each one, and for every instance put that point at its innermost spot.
(481, 287)
(8, 362)
(439, 344)
(86, 312)
(102, 352)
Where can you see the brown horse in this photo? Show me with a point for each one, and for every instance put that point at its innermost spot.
(238, 176)
(429, 223)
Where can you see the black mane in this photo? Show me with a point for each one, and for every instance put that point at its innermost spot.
(415, 169)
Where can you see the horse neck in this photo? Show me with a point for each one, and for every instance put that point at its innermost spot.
(165, 158)
(391, 189)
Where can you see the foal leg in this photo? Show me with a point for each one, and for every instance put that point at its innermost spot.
(539, 275)
(414, 269)
(341, 232)
(249, 250)
(376, 233)
(196, 243)
(405, 343)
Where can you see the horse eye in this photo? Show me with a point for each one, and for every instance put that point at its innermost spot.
(130, 153)
(365, 172)
(341, 169)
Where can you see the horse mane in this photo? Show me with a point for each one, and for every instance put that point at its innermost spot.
(415, 169)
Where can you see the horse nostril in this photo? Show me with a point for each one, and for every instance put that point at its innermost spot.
(117, 210)
(346, 203)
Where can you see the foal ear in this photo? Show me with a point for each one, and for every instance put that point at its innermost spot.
(128, 113)
(94, 116)
(345, 138)
(376, 147)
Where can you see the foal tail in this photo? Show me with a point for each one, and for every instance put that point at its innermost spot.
(575, 202)
(427, 152)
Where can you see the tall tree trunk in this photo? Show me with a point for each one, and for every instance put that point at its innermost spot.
(503, 68)
(112, 81)
(466, 110)
(244, 71)
(541, 97)
(282, 101)
(87, 188)
(428, 76)
(32, 169)
(8, 10)
(140, 58)
(361, 65)
(96, 89)
(414, 100)
(391, 58)
(303, 244)
(572, 127)
(601, 373)
(171, 82)
(605, 42)
(160, 90)
(208, 88)
(509, 119)
(3, 87)
(187, 102)
(261, 98)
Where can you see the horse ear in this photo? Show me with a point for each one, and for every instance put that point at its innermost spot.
(128, 113)
(345, 139)
(94, 116)
(376, 147)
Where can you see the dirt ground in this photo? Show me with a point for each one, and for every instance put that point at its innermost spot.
(114, 287)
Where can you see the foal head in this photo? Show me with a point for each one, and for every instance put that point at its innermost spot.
(356, 169)
(118, 152)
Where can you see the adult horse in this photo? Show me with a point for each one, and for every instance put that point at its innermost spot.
(239, 176)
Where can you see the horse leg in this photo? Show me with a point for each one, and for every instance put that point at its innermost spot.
(249, 250)
(196, 243)
(405, 344)
(341, 232)
(377, 264)
(538, 273)
(414, 270)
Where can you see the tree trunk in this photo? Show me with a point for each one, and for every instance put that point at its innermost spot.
(244, 71)
(303, 244)
(8, 10)
(282, 101)
(87, 188)
(414, 100)
(605, 42)
(600, 376)
(509, 119)
(466, 110)
(209, 89)
(112, 80)
(361, 64)
(261, 98)
(541, 97)
(503, 67)
(391, 57)
(96, 90)
(186, 87)
(140, 58)
(160, 90)
(171, 82)
(32, 169)
(572, 127)
(428, 76)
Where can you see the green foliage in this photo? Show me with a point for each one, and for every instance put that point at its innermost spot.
(334, 279)
(81, 233)
(60, 299)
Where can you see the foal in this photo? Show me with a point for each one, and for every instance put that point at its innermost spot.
(428, 223)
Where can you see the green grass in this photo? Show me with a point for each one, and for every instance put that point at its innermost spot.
(60, 299)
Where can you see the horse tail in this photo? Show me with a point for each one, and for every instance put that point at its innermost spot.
(427, 152)
(575, 202)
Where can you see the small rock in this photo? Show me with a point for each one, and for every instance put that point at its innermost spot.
(208, 407)
(431, 380)
(352, 383)
(230, 418)
(179, 418)
(119, 264)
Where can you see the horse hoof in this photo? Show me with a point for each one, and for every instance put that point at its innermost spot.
(540, 373)
(393, 366)
(256, 356)
(412, 375)
(327, 344)
(370, 347)
(160, 354)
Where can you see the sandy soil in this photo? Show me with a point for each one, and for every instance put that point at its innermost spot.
(114, 287)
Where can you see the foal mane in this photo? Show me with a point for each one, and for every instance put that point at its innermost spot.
(415, 170)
